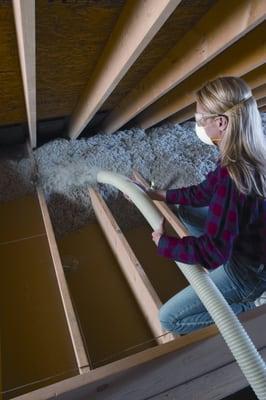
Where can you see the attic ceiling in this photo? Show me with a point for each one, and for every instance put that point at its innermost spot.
(71, 36)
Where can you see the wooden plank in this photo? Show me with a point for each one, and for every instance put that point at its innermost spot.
(217, 384)
(260, 91)
(138, 23)
(261, 102)
(200, 45)
(247, 55)
(145, 294)
(256, 77)
(102, 297)
(183, 115)
(165, 210)
(181, 21)
(73, 326)
(159, 369)
(24, 14)
(188, 112)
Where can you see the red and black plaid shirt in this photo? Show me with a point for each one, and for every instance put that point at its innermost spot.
(235, 223)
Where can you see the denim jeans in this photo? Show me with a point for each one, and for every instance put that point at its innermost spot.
(240, 281)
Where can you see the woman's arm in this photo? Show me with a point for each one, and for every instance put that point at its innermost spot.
(195, 195)
(214, 247)
(159, 195)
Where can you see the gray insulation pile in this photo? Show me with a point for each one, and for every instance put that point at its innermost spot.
(170, 155)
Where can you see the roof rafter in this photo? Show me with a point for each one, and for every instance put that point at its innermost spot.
(136, 26)
(215, 32)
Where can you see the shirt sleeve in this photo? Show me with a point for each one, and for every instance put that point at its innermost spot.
(195, 195)
(214, 247)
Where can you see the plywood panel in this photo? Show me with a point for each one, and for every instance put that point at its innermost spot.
(110, 318)
(164, 274)
(70, 37)
(162, 368)
(20, 219)
(11, 94)
(36, 345)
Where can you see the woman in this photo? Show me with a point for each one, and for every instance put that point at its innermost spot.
(226, 213)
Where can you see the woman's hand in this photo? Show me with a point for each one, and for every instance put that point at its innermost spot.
(158, 233)
(152, 193)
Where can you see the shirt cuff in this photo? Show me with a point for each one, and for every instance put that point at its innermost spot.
(170, 196)
(162, 245)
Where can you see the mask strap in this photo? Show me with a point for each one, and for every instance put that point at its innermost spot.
(239, 103)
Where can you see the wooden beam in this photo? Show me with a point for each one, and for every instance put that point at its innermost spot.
(144, 292)
(215, 32)
(177, 225)
(24, 14)
(261, 102)
(161, 368)
(256, 77)
(183, 115)
(79, 349)
(240, 59)
(260, 92)
(224, 381)
(189, 111)
(136, 26)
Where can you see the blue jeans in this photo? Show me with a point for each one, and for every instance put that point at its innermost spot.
(240, 282)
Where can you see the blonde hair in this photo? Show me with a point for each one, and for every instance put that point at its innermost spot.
(243, 146)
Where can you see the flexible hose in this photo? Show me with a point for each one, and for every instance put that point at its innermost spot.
(238, 341)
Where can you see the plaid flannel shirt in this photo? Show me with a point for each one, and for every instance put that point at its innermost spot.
(235, 223)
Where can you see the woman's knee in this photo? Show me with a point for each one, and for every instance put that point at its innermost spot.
(164, 314)
(166, 318)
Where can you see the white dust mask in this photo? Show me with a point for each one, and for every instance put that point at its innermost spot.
(202, 135)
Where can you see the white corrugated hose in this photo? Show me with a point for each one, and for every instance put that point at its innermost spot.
(238, 341)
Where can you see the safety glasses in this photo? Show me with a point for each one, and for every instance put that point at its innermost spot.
(200, 117)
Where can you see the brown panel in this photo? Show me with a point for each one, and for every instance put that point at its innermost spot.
(70, 37)
(35, 341)
(110, 318)
(164, 274)
(11, 94)
(20, 219)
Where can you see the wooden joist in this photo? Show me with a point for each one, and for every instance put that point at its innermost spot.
(79, 349)
(258, 92)
(247, 55)
(256, 77)
(24, 14)
(204, 42)
(144, 292)
(261, 103)
(182, 362)
(165, 210)
(136, 26)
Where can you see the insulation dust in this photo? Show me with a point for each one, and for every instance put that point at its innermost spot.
(170, 155)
